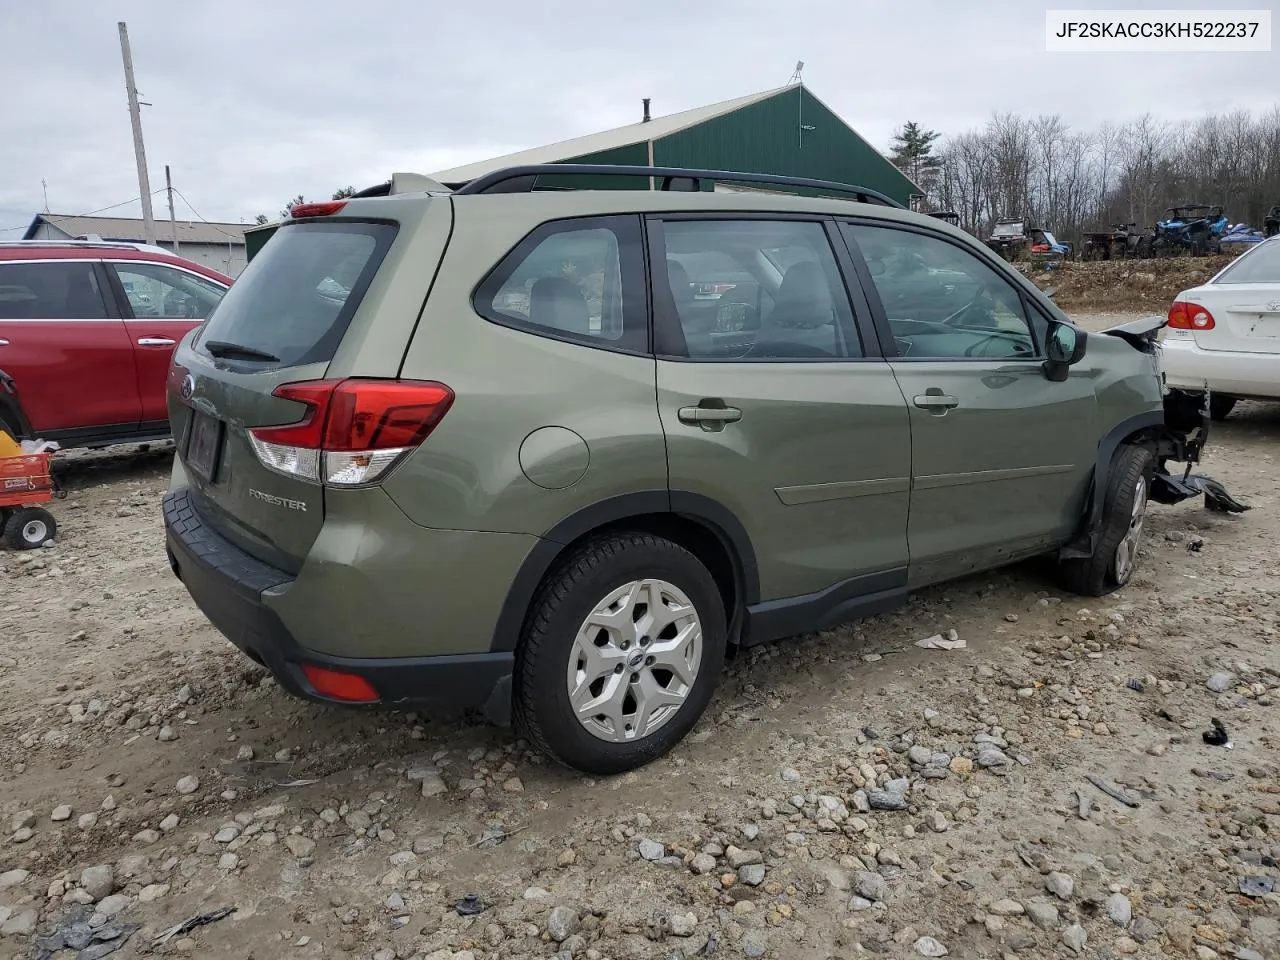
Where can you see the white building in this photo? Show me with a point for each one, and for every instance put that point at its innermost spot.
(218, 246)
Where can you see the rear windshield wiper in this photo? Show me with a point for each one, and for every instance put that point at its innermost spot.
(224, 350)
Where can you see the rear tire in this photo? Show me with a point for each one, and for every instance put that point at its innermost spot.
(1220, 407)
(1120, 535)
(587, 641)
(29, 527)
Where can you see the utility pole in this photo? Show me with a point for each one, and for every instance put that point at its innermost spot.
(135, 115)
(173, 222)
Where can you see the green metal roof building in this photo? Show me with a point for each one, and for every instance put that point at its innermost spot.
(786, 131)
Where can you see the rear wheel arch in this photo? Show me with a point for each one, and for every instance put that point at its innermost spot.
(699, 524)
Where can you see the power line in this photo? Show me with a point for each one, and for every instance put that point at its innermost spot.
(73, 216)
(201, 216)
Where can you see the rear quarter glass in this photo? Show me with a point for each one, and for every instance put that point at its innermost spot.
(296, 298)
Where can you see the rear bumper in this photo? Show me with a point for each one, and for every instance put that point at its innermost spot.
(1186, 366)
(229, 585)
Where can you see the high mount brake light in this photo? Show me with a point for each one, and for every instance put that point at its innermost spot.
(326, 208)
(353, 431)
(1190, 316)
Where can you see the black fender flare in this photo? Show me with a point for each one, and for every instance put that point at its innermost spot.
(710, 514)
(1083, 543)
(11, 409)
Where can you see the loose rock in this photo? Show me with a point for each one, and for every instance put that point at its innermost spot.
(1060, 885)
(1119, 909)
(1075, 937)
(870, 886)
(651, 850)
(188, 785)
(929, 947)
(562, 923)
(99, 881)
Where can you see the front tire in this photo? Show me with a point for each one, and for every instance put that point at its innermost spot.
(1220, 407)
(620, 654)
(1124, 511)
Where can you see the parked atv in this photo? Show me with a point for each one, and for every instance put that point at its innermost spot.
(1194, 229)
(1122, 241)
(1271, 223)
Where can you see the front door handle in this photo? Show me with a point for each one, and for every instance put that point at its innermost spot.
(156, 342)
(710, 415)
(4, 343)
(935, 401)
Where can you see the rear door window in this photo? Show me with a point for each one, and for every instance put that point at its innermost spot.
(783, 296)
(51, 290)
(295, 299)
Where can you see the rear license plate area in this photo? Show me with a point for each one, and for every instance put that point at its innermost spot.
(204, 441)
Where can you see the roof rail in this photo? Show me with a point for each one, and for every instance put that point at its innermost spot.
(107, 244)
(523, 179)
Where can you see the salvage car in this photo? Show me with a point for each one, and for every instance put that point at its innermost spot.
(514, 468)
(1224, 335)
(87, 330)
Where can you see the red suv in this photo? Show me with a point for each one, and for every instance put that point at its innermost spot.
(86, 333)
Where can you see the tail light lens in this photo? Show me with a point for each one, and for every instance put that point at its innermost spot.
(1189, 316)
(353, 431)
(326, 208)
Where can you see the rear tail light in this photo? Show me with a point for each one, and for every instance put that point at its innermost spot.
(353, 431)
(1189, 316)
(327, 208)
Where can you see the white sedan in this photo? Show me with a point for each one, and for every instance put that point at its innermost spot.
(1225, 334)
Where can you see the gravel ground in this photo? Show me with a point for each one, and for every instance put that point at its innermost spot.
(848, 793)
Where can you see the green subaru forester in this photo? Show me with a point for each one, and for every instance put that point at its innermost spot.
(552, 453)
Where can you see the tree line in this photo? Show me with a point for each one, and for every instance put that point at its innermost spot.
(1071, 181)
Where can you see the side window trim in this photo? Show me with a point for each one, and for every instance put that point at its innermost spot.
(880, 317)
(668, 333)
(627, 229)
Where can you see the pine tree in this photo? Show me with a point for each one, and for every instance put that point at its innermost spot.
(911, 151)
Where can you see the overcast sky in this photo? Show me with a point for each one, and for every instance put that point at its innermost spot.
(254, 102)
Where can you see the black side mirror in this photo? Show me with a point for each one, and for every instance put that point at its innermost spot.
(1065, 347)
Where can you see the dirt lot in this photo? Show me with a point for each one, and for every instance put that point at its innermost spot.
(147, 769)
(1139, 285)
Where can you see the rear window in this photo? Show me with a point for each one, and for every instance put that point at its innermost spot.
(1260, 265)
(296, 298)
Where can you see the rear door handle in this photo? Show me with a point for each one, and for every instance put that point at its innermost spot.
(156, 342)
(4, 343)
(698, 415)
(936, 402)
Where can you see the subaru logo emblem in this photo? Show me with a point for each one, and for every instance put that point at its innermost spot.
(188, 386)
(636, 659)
(1274, 305)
